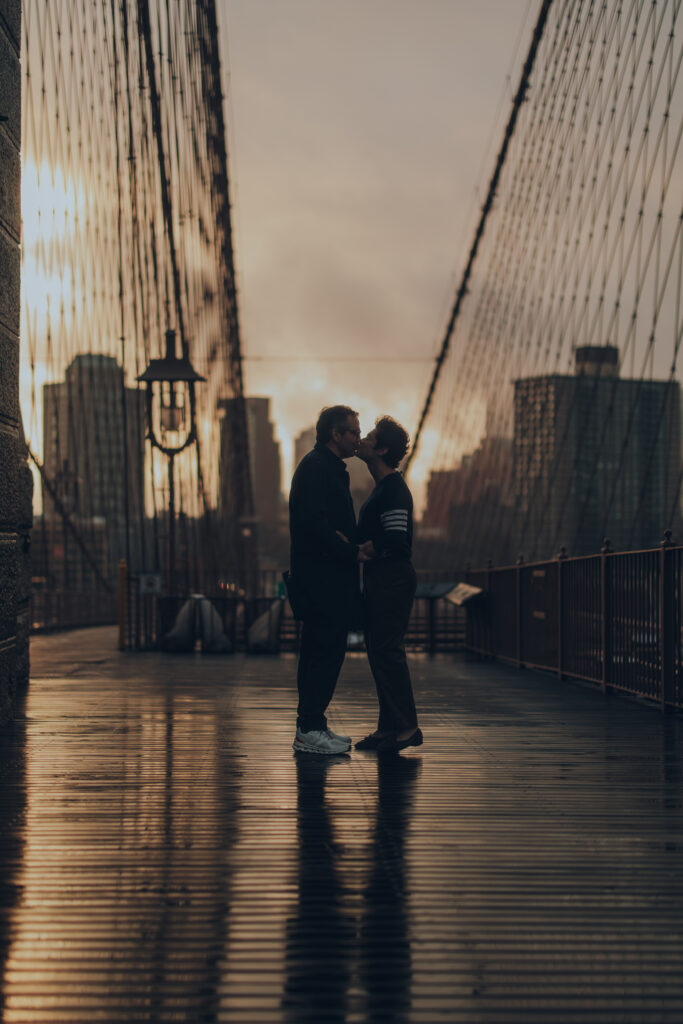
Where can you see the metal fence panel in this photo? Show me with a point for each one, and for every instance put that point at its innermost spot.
(538, 618)
(615, 619)
(677, 616)
(477, 637)
(581, 619)
(64, 609)
(502, 613)
(635, 623)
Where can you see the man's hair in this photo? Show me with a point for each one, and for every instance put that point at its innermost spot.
(335, 417)
(390, 435)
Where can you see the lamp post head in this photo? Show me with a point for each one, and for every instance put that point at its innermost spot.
(172, 375)
(171, 368)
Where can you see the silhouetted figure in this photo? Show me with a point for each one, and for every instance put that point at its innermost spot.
(324, 573)
(320, 937)
(389, 582)
(385, 955)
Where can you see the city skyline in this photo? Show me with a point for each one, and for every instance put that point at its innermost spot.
(317, 230)
(363, 191)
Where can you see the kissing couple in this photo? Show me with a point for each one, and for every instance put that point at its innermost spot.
(328, 549)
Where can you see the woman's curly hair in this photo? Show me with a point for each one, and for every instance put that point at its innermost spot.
(391, 435)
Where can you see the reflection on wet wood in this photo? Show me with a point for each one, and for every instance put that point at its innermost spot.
(167, 858)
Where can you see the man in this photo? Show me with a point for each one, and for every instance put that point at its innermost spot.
(324, 567)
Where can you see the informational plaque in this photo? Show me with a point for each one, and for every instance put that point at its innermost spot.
(462, 593)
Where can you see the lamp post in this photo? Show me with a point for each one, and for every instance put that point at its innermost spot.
(170, 384)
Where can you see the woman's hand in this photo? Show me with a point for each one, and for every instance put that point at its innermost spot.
(366, 550)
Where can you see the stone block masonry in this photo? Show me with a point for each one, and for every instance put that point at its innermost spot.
(16, 485)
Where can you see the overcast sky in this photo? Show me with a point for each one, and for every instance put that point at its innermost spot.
(359, 133)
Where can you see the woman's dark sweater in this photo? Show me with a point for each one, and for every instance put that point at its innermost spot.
(386, 519)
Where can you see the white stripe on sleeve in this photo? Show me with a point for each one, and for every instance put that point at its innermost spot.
(395, 519)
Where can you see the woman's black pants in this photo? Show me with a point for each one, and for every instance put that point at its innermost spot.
(389, 588)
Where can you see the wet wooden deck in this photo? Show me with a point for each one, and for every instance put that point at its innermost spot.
(165, 856)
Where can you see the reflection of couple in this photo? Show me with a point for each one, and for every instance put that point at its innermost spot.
(327, 548)
(329, 935)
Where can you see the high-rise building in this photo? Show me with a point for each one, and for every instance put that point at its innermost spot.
(468, 509)
(442, 485)
(94, 460)
(595, 456)
(264, 460)
(303, 443)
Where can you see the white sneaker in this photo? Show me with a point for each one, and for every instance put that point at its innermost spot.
(318, 741)
(336, 736)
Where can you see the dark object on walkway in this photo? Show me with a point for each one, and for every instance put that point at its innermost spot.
(263, 636)
(391, 745)
(197, 620)
(433, 593)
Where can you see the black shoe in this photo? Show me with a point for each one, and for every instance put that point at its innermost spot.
(391, 745)
(370, 742)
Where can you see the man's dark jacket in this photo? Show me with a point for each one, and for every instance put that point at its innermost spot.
(323, 565)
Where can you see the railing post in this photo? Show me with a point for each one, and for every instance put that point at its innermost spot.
(432, 626)
(666, 621)
(123, 585)
(487, 618)
(518, 610)
(606, 613)
(470, 628)
(561, 559)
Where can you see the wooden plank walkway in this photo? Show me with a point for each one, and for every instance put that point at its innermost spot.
(165, 856)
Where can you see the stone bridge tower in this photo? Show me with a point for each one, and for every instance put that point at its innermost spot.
(16, 486)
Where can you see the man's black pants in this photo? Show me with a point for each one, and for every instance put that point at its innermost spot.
(321, 654)
(389, 593)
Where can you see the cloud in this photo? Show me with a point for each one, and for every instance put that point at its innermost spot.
(357, 132)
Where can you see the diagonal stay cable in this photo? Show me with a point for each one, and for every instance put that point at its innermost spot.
(486, 209)
(67, 520)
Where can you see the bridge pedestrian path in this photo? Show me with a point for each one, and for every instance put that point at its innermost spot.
(166, 857)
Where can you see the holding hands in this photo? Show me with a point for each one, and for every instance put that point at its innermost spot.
(366, 550)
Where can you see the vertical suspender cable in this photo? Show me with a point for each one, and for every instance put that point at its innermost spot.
(124, 402)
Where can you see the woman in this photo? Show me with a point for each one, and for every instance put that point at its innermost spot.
(385, 524)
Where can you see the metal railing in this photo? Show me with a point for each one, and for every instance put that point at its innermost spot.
(145, 619)
(53, 610)
(613, 619)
